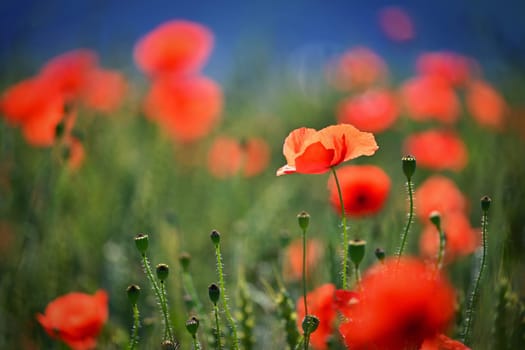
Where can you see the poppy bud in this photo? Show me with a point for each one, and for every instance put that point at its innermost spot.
(133, 293)
(435, 218)
(304, 219)
(409, 166)
(310, 324)
(167, 345)
(356, 251)
(192, 325)
(162, 272)
(185, 260)
(380, 254)
(214, 293)
(485, 203)
(215, 237)
(141, 241)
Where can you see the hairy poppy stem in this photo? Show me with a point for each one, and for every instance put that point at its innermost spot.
(345, 232)
(404, 236)
(217, 326)
(135, 330)
(469, 311)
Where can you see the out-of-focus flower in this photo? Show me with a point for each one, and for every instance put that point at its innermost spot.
(174, 47)
(442, 342)
(75, 153)
(345, 300)
(256, 156)
(76, 318)
(321, 304)
(430, 97)
(308, 151)
(70, 71)
(401, 303)
(293, 268)
(357, 68)
(454, 68)
(372, 111)
(437, 150)
(364, 188)
(104, 90)
(486, 104)
(438, 193)
(396, 23)
(187, 108)
(461, 238)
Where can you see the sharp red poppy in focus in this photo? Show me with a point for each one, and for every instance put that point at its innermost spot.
(401, 303)
(438, 193)
(364, 189)
(308, 151)
(437, 150)
(177, 47)
(320, 303)
(372, 111)
(76, 318)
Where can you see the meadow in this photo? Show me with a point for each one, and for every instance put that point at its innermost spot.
(90, 158)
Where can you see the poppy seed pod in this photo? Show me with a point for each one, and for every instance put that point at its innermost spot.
(141, 241)
(214, 293)
(192, 325)
(162, 272)
(356, 251)
(485, 203)
(215, 237)
(133, 293)
(409, 166)
(304, 219)
(310, 324)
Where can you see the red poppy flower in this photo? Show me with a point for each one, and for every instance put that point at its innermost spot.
(454, 68)
(70, 71)
(442, 342)
(308, 151)
(187, 108)
(224, 157)
(293, 268)
(75, 153)
(486, 104)
(400, 305)
(364, 188)
(396, 23)
(438, 193)
(437, 150)
(461, 238)
(256, 156)
(358, 68)
(177, 47)
(430, 97)
(321, 304)
(372, 111)
(104, 90)
(76, 318)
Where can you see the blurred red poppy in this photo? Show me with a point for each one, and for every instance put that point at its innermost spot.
(256, 156)
(430, 97)
(75, 153)
(438, 193)
(396, 23)
(357, 68)
(175, 47)
(372, 111)
(461, 238)
(486, 104)
(321, 304)
(187, 108)
(401, 303)
(454, 68)
(364, 188)
(70, 71)
(442, 342)
(308, 151)
(293, 267)
(437, 150)
(224, 157)
(76, 318)
(104, 90)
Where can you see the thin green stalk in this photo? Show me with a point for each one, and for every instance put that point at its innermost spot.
(164, 304)
(217, 326)
(304, 273)
(135, 330)
(196, 344)
(404, 236)
(441, 252)
(357, 275)
(482, 263)
(160, 298)
(229, 317)
(345, 232)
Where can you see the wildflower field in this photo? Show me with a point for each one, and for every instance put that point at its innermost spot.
(366, 208)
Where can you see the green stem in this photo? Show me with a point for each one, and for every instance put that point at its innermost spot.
(345, 232)
(475, 290)
(160, 298)
(196, 345)
(217, 326)
(229, 317)
(441, 252)
(135, 330)
(164, 304)
(409, 220)
(304, 273)
(357, 275)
